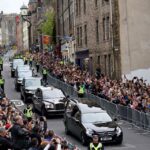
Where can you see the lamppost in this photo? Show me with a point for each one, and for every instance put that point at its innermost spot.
(25, 14)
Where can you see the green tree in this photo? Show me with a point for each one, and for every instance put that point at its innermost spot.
(48, 27)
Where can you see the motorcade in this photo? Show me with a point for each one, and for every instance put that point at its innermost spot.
(22, 68)
(14, 64)
(28, 87)
(20, 76)
(82, 118)
(49, 101)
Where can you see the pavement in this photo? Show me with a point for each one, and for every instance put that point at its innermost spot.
(134, 138)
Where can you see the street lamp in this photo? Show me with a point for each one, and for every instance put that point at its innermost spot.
(25, 14)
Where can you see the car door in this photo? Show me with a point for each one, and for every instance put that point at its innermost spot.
(73, 120)
(77, 124)
(67, 115)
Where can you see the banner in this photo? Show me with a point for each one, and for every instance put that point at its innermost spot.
(46, 39)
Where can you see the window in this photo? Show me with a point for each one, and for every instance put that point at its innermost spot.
(84, 4)
(98, 60)
(85, 34)
(80, 36)
(97, 32)
(104, 29)
(96, 3)
(107, 28)
(78, 40)
(79, 7)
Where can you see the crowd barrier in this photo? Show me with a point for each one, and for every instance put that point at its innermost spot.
(138, 118)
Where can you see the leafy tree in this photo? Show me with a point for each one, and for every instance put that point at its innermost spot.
(48, 27)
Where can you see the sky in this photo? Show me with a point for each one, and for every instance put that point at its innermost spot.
(12, 6)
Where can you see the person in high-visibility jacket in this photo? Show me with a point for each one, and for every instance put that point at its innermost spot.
(44, 72)
(2, 82)
(28, 112)
(1, 63)
(95, 144)
(81, 91)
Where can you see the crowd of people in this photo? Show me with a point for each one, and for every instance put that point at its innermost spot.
(133, 93)
(20, 133)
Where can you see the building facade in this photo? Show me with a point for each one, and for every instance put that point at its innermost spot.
(8, 28)
(65, 28)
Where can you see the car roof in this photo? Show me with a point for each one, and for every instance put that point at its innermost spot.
(47, 88)
(28, 78)
(87, 106)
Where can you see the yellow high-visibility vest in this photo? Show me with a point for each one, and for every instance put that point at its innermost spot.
(92, 147)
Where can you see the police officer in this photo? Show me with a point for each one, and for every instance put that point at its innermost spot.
(1, 63)
(44, 72)
(95, 144)
(28, 112)
(81, 91)
(2, 82)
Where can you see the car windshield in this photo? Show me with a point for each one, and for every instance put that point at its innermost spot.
(96, 118)
(23, 74)
(23, 68)
(55, 93)
(18, 62)
(32, 82)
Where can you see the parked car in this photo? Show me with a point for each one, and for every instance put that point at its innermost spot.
(15, 63)
(20, 76)
(82, 118)
(49, 101)
(22, 68)
(28, 87)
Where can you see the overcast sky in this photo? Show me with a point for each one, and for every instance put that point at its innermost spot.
(12, 6)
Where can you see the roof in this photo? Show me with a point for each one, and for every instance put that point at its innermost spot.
(88, 106)
(28, 78)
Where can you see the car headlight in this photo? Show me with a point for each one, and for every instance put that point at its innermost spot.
(89, 131)
(49, 105)
(118, 131)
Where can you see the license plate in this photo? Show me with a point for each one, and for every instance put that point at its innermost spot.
(106, 138)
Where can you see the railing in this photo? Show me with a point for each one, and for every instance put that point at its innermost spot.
(135, 117)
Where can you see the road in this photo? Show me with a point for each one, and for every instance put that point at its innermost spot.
(134, 138)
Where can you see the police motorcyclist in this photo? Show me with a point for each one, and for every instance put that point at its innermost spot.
(95, 144)
(81, 91)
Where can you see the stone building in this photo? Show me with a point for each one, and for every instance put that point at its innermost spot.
(8, 29)
(65, 28)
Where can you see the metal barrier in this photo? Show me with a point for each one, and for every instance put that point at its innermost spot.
(138, 118)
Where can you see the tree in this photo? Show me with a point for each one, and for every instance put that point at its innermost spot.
(48, 27)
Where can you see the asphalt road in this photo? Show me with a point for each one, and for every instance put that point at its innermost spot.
(134, 138)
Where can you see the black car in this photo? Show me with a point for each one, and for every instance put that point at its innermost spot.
(20, 76)
(82, 118)
(29, 86)
(49, 101)
(14, 64)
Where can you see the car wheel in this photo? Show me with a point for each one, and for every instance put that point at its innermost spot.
(66, 129)
(83, 139)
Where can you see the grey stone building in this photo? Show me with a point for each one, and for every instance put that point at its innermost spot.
(8, 29)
